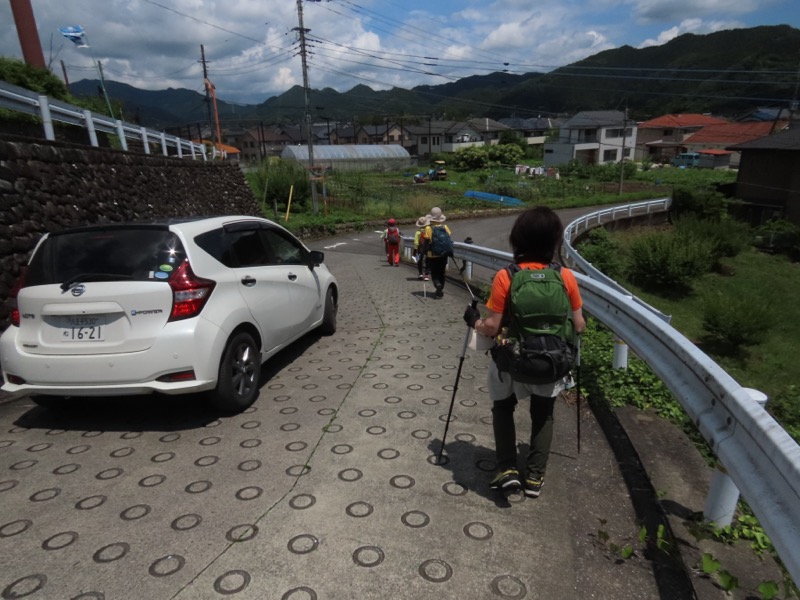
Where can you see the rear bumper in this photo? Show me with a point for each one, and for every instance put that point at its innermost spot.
(194, 345)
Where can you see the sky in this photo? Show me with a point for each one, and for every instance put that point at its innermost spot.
(252, 47)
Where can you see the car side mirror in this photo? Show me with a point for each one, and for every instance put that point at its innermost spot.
(317, 258)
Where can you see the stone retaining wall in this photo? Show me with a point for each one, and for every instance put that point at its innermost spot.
(48, 186)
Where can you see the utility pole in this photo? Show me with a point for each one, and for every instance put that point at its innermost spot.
(622, 159)
(208, 97)
(302, 31)
(64, 71)
(28, 34)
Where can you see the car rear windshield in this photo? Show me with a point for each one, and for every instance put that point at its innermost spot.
(111, 254)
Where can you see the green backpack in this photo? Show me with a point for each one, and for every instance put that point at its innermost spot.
(542, 343)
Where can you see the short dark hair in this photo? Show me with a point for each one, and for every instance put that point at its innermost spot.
(536, 235)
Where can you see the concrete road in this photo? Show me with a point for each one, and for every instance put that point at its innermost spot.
(328, 487)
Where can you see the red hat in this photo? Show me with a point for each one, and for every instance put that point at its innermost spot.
(392, 221)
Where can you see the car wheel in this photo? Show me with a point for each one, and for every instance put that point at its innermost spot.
(239, 373)
(328, 326)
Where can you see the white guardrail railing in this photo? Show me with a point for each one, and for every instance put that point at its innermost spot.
(759, 456)
(19, 99)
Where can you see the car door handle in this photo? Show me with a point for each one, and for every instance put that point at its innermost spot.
(292, 276)
(248, 281)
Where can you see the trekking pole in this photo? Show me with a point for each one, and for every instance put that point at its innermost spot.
(461, 272)
(578, 388)
(455, 385)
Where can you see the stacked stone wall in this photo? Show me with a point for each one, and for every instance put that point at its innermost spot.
(49, 186)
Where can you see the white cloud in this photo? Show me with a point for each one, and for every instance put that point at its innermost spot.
(696, 26)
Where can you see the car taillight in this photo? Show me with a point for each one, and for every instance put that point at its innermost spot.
(189, 292)
(12, 296)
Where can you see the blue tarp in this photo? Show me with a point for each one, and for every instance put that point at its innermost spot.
(507, 200)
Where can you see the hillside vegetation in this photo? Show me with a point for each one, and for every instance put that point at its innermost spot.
(726, 73)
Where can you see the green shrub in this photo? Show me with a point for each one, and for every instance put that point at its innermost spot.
(600, 249)
(728, 237)
(700, 202)
(668, 264)
(779, 237)
(736, 321)
(785, 407)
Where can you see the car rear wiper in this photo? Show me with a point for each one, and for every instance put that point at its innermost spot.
(92, 277)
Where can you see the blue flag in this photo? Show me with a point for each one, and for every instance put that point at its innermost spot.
(76, 34)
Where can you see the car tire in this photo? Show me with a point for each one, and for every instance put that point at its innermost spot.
(328, 326)
(239, 375)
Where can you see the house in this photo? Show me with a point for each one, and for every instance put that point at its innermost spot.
(769, 176)
(344, 134)
(721, 136)
(592, 138)
(489, 130)
(662, 139)
(534, 130)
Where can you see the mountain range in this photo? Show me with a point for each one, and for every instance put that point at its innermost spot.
(724, 73)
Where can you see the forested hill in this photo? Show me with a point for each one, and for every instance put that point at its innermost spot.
(726, 73)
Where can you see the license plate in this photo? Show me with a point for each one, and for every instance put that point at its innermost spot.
(83, 329)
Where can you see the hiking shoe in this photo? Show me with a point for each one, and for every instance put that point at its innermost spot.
(420, 277)
(506, 480)
(426, 278)
(533, 486)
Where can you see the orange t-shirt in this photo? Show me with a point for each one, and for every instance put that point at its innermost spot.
(502, 283)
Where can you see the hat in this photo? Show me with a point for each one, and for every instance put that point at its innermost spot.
(392, 221)
(423, 221)
(436, 215)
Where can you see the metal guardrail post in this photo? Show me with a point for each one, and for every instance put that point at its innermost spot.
(164, 144)
(723, 495)
(87, 115)
(47, 120)
(179, 147)
(468, 263)
(620, 360)
(121, 134)
(143, 131)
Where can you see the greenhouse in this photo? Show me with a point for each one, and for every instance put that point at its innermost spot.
(354, 157)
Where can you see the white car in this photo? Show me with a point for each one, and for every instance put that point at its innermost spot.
(172, 306)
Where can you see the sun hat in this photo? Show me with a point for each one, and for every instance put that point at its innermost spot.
(392, 221)
(436, 215)
(423, 221)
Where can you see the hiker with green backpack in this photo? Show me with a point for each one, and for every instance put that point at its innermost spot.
(535, 314)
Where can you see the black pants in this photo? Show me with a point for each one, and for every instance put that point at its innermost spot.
(505, 434)
(437, 265)
(422, 263)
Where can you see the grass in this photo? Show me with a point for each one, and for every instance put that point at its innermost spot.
(768, 366)
(366, 196)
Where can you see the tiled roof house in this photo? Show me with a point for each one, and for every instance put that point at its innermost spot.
(720, 136)
(662, 138)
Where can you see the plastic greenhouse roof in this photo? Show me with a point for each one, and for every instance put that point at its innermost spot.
(347, 152)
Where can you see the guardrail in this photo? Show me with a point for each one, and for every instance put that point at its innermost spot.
(759, 456)
(601, 217)
(25, 101)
